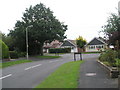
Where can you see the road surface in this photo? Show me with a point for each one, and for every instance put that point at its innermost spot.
(28, 75)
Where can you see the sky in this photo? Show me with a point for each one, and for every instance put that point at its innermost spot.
(83, 17)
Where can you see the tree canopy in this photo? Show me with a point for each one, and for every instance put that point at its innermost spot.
(45, 27)
(80, 42)
(112, 29)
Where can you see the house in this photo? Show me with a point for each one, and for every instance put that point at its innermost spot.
(69, 44)
(53, 44)
(96, 44)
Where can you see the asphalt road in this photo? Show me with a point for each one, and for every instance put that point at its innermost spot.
(28, 75)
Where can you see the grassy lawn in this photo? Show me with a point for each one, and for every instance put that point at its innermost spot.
(7, 64)
(66, 76)
(48, 57)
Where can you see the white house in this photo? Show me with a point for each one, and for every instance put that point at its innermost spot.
(70, 44)
(96, 44)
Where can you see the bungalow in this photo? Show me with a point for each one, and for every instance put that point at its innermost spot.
(53, 44)
(69, 44)
(96, 44)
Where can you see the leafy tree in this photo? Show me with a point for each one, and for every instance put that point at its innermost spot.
(80, 42)
(112, 30)
(45, 27)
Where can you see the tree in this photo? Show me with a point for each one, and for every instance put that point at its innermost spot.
(45, 27)
(112, 30)
(80, 42)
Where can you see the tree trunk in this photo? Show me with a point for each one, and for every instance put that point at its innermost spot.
(41, 50)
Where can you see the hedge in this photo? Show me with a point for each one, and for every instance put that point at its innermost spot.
(59, 50)
(5, 50)
(109, 56)
(13, 54)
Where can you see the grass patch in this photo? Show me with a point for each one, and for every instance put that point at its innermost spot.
(66, 76)
(7, 64)
(48, 57)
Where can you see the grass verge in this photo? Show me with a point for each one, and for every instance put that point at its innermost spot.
(66, 76)
(7, 64)
(48, 57)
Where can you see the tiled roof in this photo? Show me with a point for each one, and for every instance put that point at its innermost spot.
(69, 43)
(96, 41)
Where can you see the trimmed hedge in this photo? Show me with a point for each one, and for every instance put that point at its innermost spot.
(5, 50)
(59, 50)
(13, 54)
(21, 54)
(109, 56)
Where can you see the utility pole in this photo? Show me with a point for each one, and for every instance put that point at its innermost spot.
(119, 8)
(118, 44)
(27, 40)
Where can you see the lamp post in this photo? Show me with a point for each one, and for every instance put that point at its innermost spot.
(119, 8)
(118, 68)
(27, 40)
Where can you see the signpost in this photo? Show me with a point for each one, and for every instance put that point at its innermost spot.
(79, 54)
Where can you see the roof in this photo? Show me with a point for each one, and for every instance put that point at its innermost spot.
(96, 41)
(53, 44)
(69, 43)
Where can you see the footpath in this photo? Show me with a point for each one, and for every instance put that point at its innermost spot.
(92, 75)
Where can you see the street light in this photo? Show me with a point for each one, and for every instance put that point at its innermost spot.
(27, 40)
(119, 8)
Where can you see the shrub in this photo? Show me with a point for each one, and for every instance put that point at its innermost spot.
(109, 56)
(59, 50)
(5, 50)
(13, 54)
(118, 54)
(117, 62)
(21, 54)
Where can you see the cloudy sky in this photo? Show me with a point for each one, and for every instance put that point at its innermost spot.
(83, 17)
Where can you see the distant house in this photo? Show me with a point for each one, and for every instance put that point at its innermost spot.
(96, 44)
(53, 44)
(70, 44)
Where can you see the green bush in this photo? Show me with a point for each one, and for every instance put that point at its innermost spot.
(13, 54)
(59, 50)
(21, 54)
(118, 54)
(5, 50)
(109, 56)
(117, 62)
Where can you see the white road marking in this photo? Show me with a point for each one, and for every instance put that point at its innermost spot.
(90, 74)
(6, 76)
(53, 61)
(32, 67)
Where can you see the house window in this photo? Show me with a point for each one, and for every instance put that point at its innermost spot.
(99, 46)
(92, 47)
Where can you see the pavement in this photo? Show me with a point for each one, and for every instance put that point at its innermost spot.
(92, 75)
(28, 75)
